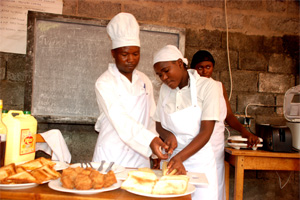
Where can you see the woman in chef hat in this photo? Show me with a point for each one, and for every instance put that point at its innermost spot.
(187, 109)
(204, 63)
(127, 134)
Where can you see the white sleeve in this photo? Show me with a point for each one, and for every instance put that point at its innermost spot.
(152, 105)
(133, 133)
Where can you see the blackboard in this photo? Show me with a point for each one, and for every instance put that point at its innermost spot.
(66, 55)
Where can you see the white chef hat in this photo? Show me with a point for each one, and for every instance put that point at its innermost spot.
(123, 30)
(168, 53)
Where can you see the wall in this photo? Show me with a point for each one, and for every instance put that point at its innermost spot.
(263, 38)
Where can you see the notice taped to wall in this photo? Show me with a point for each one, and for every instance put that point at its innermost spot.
(13, 21)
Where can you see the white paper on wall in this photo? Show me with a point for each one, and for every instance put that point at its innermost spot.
(13, 21)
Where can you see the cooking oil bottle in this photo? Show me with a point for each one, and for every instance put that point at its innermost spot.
(21, 136)
(3, 133)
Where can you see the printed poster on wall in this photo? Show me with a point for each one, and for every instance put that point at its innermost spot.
(13, 21)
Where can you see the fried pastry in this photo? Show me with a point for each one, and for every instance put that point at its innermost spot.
(33, 164)
(67, 182)
(70, 172)
(97, 179)
(45, 173)
(109, 179)
(46, 161)
(83, 182)
(7, 171)
(19, 169)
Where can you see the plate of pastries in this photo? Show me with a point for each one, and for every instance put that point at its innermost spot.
(145, 182)
(27, 174)
(85, 180)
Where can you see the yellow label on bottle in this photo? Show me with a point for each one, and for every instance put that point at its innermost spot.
(27, 144)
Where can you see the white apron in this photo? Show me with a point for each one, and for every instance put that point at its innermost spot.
(217, 141)
(109, 146)
(185, 125)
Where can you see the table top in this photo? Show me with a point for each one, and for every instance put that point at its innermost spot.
(260, 153)
(44, 192)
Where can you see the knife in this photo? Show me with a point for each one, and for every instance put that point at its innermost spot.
(109, 167)
(101, 166)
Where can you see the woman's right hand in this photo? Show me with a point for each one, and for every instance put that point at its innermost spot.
(176, 164)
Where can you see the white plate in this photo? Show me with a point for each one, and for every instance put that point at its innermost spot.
(17, 186)
(240, 138)
(198, 179)
(237, 138)
(60, 165)
(191, 188)
(56, 185)
(242, 145)
(116, 168)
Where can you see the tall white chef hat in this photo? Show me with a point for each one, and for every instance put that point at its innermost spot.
(123, 30)
(168, 53)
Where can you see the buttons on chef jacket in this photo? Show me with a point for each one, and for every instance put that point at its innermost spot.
(178, 100)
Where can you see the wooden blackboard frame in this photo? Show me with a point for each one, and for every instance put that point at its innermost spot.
(33, 18)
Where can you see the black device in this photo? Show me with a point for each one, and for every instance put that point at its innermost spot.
(275, 138)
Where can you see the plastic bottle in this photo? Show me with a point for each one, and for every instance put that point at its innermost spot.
(3, 134)
(21, 137)
(4, 113)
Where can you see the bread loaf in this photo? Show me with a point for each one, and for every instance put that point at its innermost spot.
(147, 182)
(140, 181)
(174, 184)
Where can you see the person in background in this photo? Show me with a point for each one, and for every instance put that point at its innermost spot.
(204, 63)
(127, 134)
(187, 109)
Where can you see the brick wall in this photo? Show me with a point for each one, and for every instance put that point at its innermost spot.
(264, 58)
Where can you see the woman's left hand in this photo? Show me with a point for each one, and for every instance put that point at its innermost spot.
(156, 163)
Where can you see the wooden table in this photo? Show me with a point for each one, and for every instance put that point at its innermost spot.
(257, 160)
(43, 192)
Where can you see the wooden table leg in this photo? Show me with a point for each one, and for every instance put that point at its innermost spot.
(227, 171)
(239, 178)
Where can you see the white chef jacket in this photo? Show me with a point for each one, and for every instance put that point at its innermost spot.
(181, 98)
(134, 134)
(218, 144)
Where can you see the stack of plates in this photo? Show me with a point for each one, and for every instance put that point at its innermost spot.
(238, 142)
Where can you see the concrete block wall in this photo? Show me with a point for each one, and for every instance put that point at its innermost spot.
(263, 39)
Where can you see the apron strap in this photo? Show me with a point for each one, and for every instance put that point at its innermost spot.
(193, 89)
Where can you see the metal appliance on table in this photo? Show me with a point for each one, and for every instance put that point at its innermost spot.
(291, 110)
(275, 137)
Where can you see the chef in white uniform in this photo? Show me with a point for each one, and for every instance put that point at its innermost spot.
(204, 63)
(127, 134)
(187, 109)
